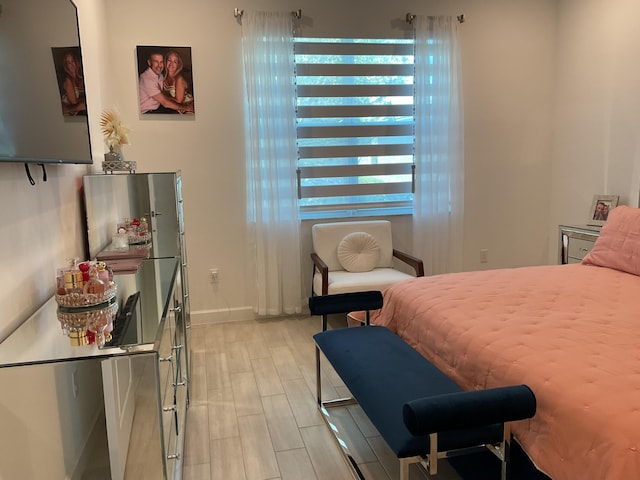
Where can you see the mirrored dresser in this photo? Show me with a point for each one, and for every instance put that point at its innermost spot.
(154, 198)
(142, 368)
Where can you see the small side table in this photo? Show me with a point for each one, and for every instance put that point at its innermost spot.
(575, 241)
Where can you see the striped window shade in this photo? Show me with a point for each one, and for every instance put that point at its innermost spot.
(355, 126)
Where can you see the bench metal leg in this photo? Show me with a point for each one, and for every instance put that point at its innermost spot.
(506, 452)
(337, 402)
(318, 379)
(404, 467)
(324, 406)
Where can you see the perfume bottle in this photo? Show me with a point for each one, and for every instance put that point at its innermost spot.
(60, 290)
(144, 226)
(72, 277)
(84, 268)
(105, 273)
(78, 338)
(94, 284)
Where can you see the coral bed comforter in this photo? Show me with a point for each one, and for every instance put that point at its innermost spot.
(570, 332)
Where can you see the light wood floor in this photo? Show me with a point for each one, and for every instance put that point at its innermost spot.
(253, 414)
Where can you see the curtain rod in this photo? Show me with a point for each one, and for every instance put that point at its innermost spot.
(411, 17)
(237, 12)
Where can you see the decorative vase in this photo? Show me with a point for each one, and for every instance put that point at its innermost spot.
(114, 154)
(114, 161)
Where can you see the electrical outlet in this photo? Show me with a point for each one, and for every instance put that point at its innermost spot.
(484, 255)
(214, 275)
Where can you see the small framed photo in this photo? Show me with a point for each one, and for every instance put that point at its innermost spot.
(600, 208)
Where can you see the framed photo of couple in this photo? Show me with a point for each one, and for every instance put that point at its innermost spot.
(165, 80)
(601, 205)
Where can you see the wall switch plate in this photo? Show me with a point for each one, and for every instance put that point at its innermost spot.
(214, 275)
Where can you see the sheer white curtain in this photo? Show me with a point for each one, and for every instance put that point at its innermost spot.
(274, 225)
(439, 150)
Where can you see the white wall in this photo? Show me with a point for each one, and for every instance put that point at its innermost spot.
(508, 75)
(597, 107)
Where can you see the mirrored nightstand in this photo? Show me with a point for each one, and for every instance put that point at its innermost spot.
(575, 241)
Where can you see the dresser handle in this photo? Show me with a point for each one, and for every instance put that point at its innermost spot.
(172, 408)
(166, 359)
(177, 347)
(176, 309)
(175, 456)
(180, 384)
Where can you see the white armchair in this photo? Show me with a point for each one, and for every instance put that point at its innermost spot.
(356, 257)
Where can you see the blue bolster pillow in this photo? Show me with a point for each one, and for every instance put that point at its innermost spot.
(345, 302)
(469, 409)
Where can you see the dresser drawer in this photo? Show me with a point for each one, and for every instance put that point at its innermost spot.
(578, 248)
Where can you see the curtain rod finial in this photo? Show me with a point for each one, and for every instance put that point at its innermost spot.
(410, 17)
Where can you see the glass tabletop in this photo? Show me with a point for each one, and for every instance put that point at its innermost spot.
(41, 339)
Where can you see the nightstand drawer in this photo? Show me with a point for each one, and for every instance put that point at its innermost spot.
(579, 248)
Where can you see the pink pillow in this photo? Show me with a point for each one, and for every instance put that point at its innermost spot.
(618, 245)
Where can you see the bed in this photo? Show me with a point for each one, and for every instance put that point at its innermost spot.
(570, 332)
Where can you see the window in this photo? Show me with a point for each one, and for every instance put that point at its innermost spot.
(354, 126)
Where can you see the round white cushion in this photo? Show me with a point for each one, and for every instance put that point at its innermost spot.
(358, 252)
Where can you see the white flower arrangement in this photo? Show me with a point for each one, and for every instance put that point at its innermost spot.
(114, 131)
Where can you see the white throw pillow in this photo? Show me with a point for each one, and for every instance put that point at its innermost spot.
(358, 252)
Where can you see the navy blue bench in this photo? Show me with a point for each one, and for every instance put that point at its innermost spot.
(421, 413)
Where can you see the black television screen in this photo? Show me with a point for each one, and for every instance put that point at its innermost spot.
(126, 325)
(43, 114)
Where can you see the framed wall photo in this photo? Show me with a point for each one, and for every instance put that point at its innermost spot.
(68, 64)
(165, 80)
(600, 208)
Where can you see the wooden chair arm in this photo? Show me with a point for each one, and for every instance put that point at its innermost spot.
(410, 260)
(322, 267)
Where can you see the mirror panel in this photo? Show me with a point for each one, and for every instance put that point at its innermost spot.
(37, 39)
(109, 199)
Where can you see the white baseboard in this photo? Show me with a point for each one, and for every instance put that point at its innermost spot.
(222, 315)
